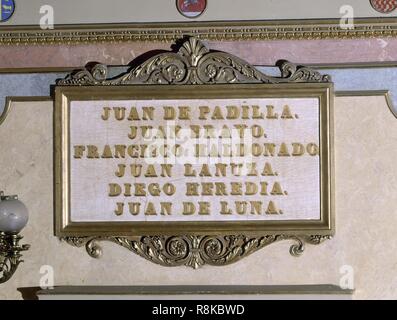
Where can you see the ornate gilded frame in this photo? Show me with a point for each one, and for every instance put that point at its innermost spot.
(175, 75)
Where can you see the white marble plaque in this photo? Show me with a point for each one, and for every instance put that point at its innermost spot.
(195, 160)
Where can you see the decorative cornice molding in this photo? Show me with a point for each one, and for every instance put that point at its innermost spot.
(193, 63)
(219, 31)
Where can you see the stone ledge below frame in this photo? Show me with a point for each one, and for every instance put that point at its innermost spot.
(234, 292)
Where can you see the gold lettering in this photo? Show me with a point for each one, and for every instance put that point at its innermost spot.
(192, 189)
(150, 210)
(166, 170)
(92, 152)
(298, 149)
(217, 115)
(268, 170)
(220, 169)
(204, 208)
(165, 208)
(133, 116)
(136, 170)
(232, 112)
(188, 208)
(154, 189)
(270, 113)
(283, 151)
(207, 189)
(119, 151)
(169, 189)
(251, 189)
(256, 207)
(205, 171)
(225, 133)
(224, 208)
(150, 172)
(120, 170)
(140, 189)
(107, 152)
(272, 209)
(119, 208)
(133, 132)
(169, 113)
(270, 149)
(236, 189)
(148, 113)
(286, 114)
(256, 113)
(189, 172)
(78, 151)
(277, 190)
(133, 151)
(127, 189)
(241, 207)
(106, 113)
(204, 110)
(241, 129)
(220, 189)
(264, 186)
(134, 208)
(184, 113)
(312, 149)
(119, 113)
(252, 172)
(114, 190)
(257, 131)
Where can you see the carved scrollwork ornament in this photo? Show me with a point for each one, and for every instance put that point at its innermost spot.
(193, 64)
(192, 250)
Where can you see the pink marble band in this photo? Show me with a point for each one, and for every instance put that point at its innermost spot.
(255, 52)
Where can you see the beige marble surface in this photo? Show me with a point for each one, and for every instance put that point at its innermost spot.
(298, 176)
(366, 203)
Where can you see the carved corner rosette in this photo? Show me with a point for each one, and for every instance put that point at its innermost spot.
(192, 250)
(193, 64)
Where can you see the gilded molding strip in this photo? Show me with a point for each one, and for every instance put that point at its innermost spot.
(168, 32)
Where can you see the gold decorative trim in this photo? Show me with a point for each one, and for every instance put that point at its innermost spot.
(193, 64)
(218, 31)
(194, 251)
(197, 71)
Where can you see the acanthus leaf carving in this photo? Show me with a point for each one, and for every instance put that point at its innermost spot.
(194, 63)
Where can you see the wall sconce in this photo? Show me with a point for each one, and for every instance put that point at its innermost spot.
(13, 218)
